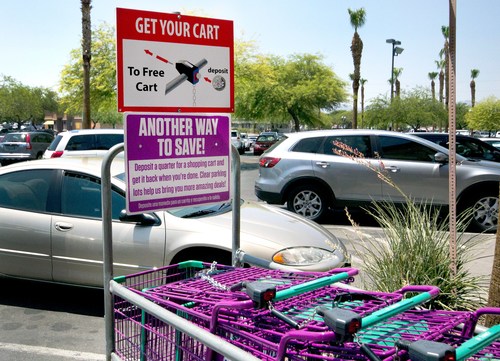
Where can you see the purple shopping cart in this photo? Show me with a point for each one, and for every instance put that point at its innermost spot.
(287, 327)
(139, 336)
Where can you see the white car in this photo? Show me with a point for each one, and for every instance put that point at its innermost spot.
(50, 217)
(84, 142)
(236, 141)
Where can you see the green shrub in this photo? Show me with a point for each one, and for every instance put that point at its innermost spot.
(416, 251)
(416, 248)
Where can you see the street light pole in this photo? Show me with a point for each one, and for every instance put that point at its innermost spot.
(396, 50)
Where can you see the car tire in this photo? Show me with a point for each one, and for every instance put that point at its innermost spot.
(484, 216)
(309, 201)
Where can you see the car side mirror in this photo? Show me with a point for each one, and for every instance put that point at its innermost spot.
(142, 219)
(441, 158)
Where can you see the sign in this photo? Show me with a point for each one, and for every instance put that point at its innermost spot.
(174, 63)
(176, 160)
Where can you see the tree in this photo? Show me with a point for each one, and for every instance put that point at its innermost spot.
(86, 57)
(358, 18)
(473, 75)
(441, 64)
(20, 103)
(485, 115)
(272, 87)
(462, 109)
(432, 76)
(102, 77)
(445, 30)
(397, 73)
(362, 82)
(413, 109)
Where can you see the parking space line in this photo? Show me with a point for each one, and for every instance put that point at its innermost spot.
(48, 351)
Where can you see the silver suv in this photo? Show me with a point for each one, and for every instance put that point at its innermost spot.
(304, 171)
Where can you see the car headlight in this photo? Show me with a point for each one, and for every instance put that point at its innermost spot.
(303, 256)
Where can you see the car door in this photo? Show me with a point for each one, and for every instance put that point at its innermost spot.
(25, 248)
(77, 244)
(411, 167)
(349, 175)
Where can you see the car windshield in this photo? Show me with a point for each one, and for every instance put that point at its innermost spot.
(194, 211)
(201, 210)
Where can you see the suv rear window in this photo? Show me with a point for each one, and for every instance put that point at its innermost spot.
(15, 137)
(55, 143)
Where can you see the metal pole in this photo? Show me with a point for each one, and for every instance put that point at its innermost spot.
(236, 180)
(392, 73)
(107, 238)
(452, 139)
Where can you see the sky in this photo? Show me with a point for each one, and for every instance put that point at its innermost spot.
(37, 36)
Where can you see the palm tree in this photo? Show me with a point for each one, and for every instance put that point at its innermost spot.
(473, 75)
(357, 20)
(445, 30)
(362, 82)
(441, 64)
(432, 76)
(397, 73)
(86, 56)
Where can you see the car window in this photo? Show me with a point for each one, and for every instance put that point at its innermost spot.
(106, 141)
(27, 190)
(81, 142)
(404, 149)
(15, 137)
(360, 143)
(55, 143)
(40, 138)
(81, 196)
(266, 138)
(308, 145)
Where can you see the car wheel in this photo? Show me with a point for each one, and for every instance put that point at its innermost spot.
(485, 212)
(308, 201)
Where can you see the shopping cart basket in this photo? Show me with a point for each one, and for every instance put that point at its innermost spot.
(458, 343)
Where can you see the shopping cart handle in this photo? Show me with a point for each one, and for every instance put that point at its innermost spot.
(315, 284)
(470, 326)
(477, 343)
(425, 350)
(433, 290)
(396, 308)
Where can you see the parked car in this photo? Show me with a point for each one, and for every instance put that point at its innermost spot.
(263, 142)
(50, 217)
(84, 142)
(20, 146)
(252, 138)
(245, 140)
(469, 147)
(237, 141)
(492, 141)
(304, 171)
